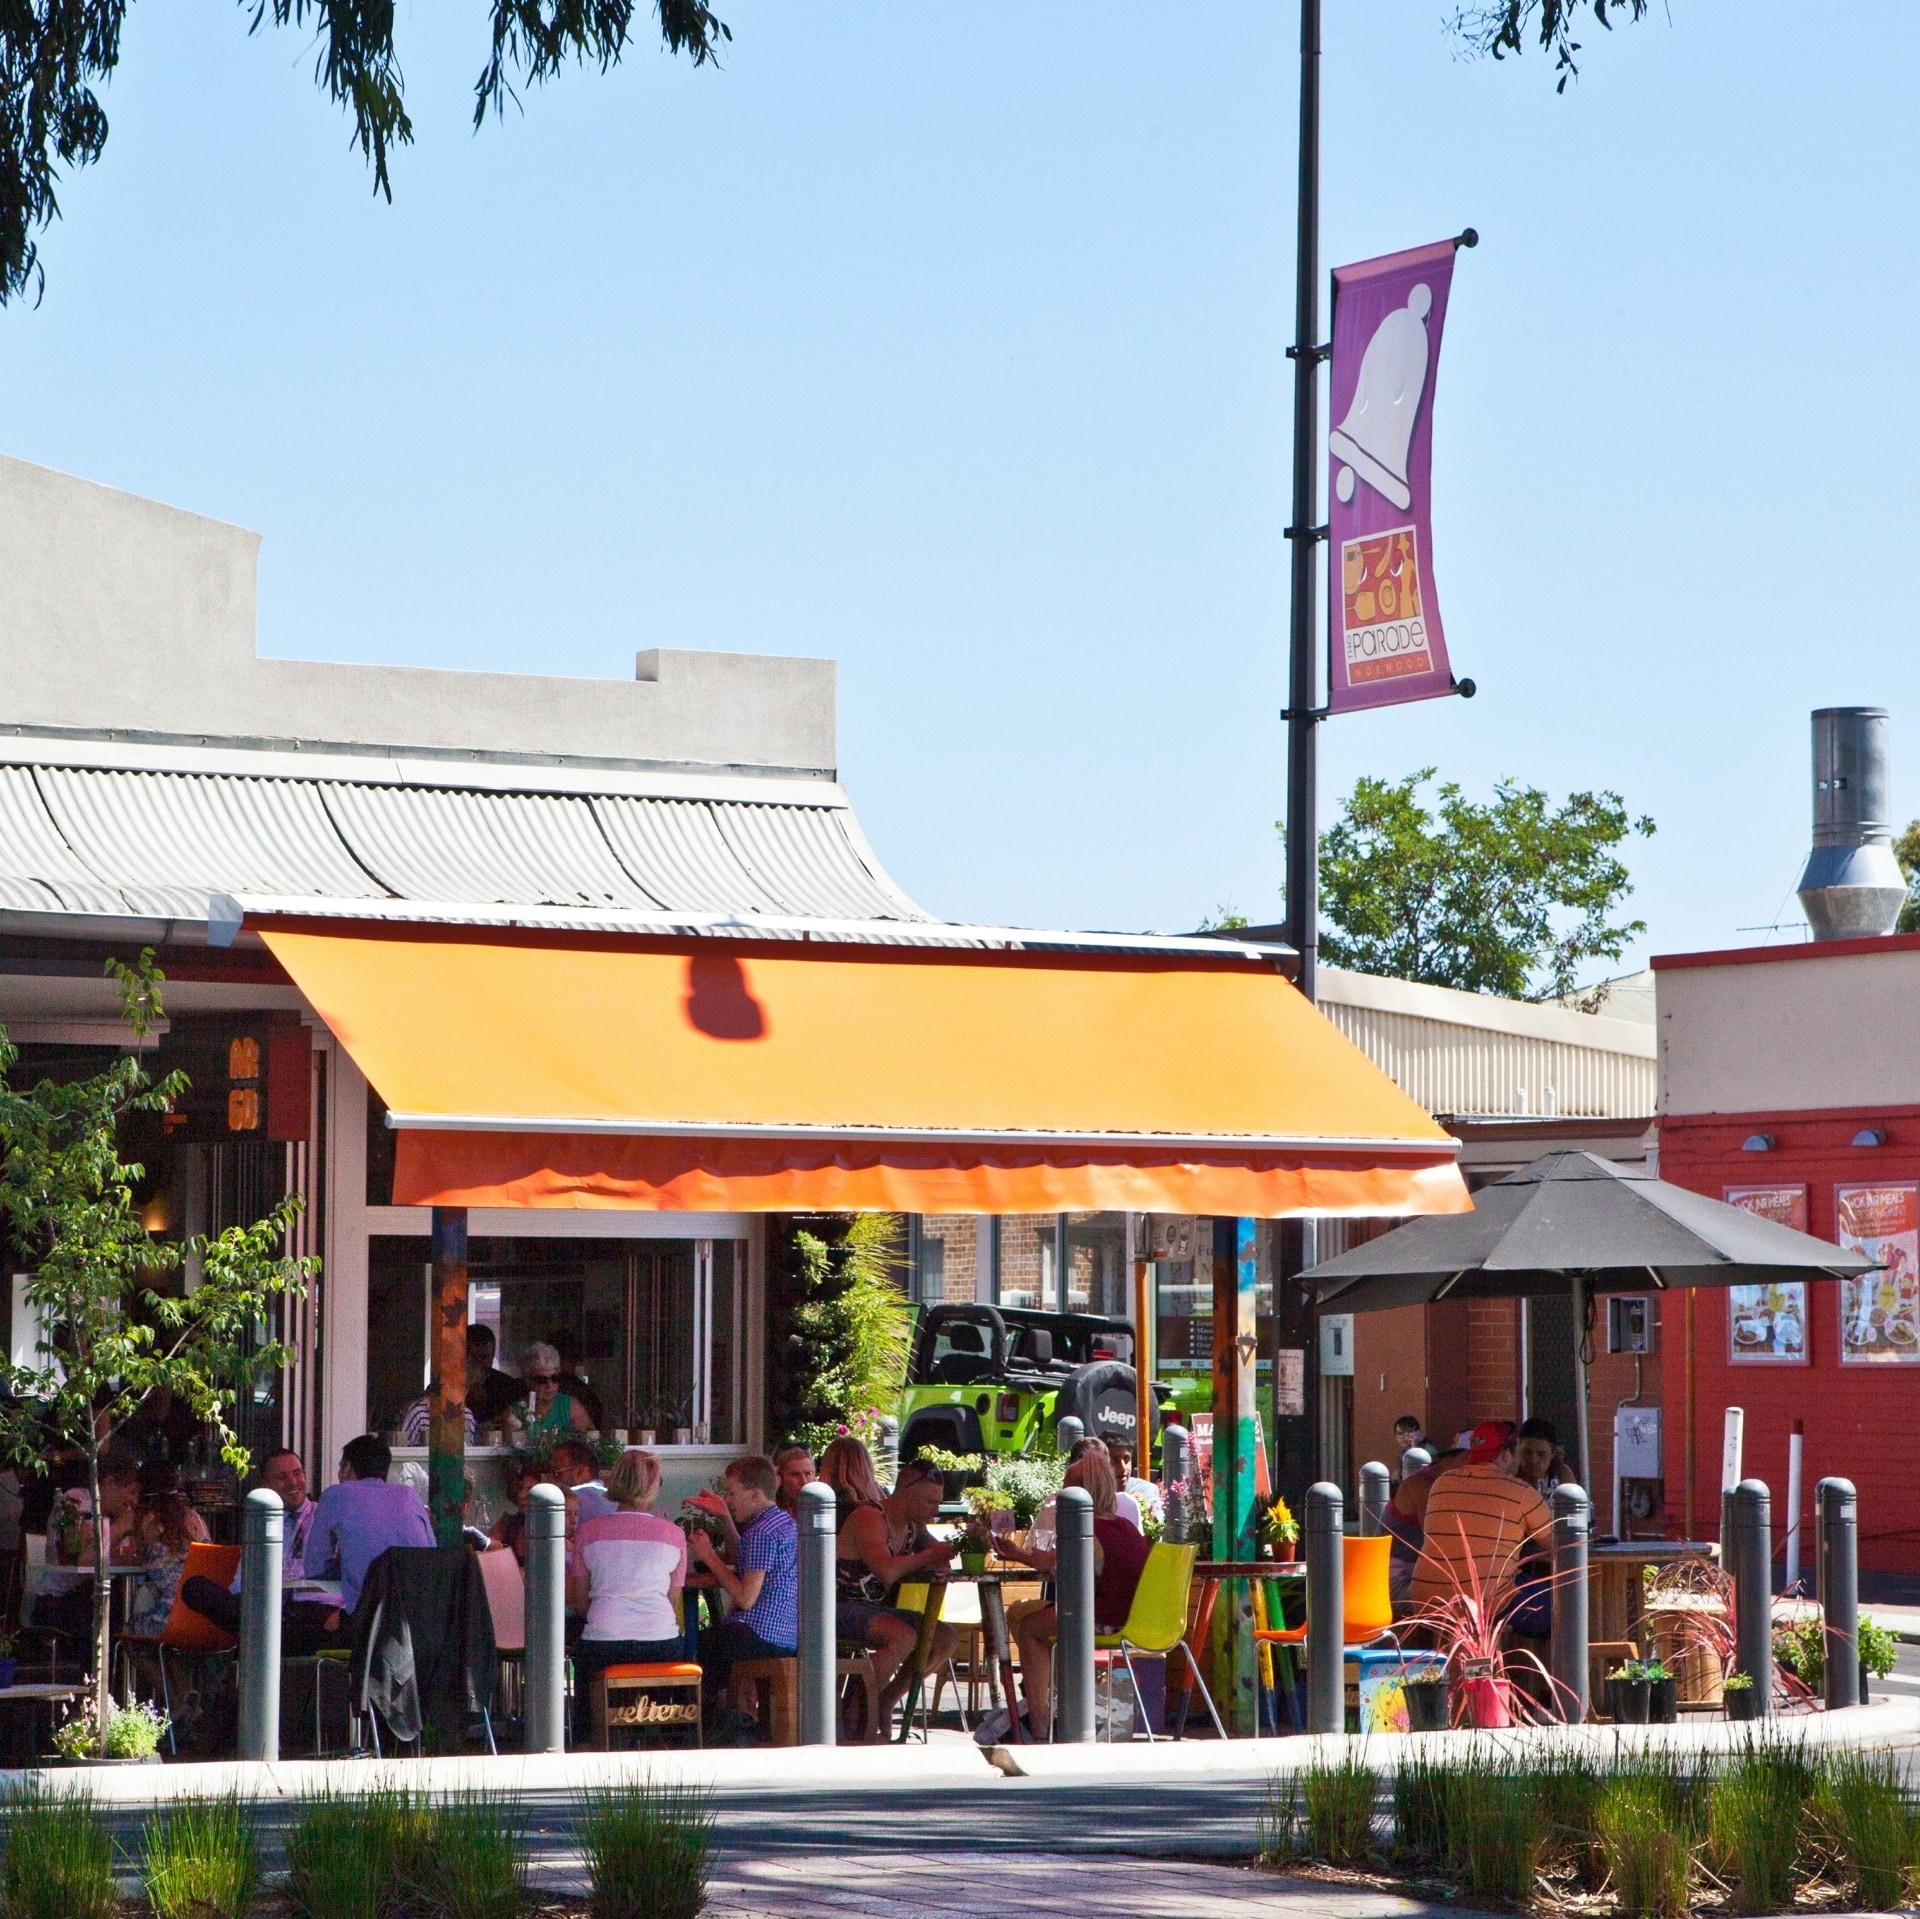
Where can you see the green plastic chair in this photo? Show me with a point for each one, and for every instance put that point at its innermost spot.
(1156, 1625)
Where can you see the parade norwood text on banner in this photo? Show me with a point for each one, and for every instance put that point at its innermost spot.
(1383, 617)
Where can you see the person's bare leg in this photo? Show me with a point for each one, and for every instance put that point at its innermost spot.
(888, 1643)
(1036, 1670)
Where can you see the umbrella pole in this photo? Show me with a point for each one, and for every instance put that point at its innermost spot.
(1580, 1285)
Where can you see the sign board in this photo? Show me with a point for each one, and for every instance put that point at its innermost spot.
(1290, 1383)
(1880, 1311)
(1767, 1325)
(1336, 1345)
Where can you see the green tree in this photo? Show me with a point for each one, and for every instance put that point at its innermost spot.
(1906, 849)
(1501, 27)
(56, 55)
(110, 1335)
(1514, 898)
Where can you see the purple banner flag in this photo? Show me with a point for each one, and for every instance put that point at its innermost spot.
(1383, 622)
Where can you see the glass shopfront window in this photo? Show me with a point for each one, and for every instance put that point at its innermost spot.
(651, 1330)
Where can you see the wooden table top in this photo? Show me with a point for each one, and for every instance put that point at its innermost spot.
(1250, 1569)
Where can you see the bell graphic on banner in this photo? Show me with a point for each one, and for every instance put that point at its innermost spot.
(1373, 439)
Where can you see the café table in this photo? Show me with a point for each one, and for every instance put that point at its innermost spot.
(1210, 1575)
(1616, 1581)
(993, 1622)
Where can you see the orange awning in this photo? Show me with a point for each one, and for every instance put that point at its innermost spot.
(549, 1069)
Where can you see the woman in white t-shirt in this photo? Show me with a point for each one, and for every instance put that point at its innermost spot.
(625, 1572)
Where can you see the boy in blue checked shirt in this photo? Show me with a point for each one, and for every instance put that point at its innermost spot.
(763, 1581)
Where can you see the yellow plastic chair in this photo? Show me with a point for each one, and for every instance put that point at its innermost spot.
(1156, 1625)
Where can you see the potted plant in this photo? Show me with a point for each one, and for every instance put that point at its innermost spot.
(1662, 1704)
(976, 1540)
(955, 1468)
(1029, 1480)
(1628, 1694)
(1279, 1532)
(1429, 1704)
(1742, 1698)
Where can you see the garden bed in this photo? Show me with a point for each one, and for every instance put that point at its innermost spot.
(1776, 1826)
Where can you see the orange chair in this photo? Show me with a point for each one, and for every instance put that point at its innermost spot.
(187, 1631)
(1368, 1605)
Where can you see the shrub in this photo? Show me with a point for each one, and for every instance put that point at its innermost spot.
(646, 1848)
(1874, 1828)
(1643, 1817)
(1759, 1807)
(389, 1854)
(1338, 1797)
(59, 1858)
(472, 1864)
(202, 1861)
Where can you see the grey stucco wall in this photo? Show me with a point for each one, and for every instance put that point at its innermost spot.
(117, 613)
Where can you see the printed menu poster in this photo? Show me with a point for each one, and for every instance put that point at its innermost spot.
(1880, 1312)
(1767, 1325)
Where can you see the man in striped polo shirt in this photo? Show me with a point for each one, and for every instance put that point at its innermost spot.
(1481, 1523)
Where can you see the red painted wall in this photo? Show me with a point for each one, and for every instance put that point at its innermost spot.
(1860, 1419)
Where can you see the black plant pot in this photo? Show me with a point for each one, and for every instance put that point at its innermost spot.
(954, 1488)
(1628, 1700)
(1663, 1706)
(1863, 1682)
(1429, 1706)
(1743, 1703)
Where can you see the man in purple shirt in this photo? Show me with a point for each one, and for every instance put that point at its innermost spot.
(360, 1517)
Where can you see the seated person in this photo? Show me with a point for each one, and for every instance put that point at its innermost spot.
(762, 1580)
(546, 1408)
(491, 1393)
(1405, 1520)
(1407, 1434)
(1143, 1492)
(794, 1467)
(625, 1570)
(1124, 1503)
(303, 1624)
(883, 1543)
(164, 1526)
(1119, 1557)
(63, 1602)
(510, 1529)
(1481, 1525)
(572, 1467)
(359, 1517)
(1538, 1459)
(416, 1423)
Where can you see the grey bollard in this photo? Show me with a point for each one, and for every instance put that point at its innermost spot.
(889, 1460)
(1837, 1516)
(819, 1628)
(1751, 1516)
(544, 1701)
(1068, 1434)
(1176, 1463)
(1326, 1609)
(1569, 1662)
(1073, 1587)
(261, 1523)
(1414, 1459)
(1376, 1488)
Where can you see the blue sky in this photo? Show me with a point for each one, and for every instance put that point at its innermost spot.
(949, 341)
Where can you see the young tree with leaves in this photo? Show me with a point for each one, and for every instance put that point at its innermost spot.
(1514, 898)
(1501, 27)
(110, 1335)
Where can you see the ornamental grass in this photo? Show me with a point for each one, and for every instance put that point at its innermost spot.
(58, 1862)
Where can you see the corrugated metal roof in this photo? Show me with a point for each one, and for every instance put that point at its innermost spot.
(39, 871)
(800, 855)
(678, 845)
(532, 849)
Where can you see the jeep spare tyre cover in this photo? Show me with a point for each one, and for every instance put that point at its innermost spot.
(1100, 1395)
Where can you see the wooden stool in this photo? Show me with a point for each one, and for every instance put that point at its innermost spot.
(858, 1667)
(770, 1690)
(645, 1697)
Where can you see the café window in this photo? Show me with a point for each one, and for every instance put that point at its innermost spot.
(650, 1332)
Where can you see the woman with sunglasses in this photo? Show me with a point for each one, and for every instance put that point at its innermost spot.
(546, 1409)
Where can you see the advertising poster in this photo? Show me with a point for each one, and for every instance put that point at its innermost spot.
(1767, 1325)
(1880, 1312)
(1384, 636)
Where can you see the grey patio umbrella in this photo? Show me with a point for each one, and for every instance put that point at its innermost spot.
(1572, 1222)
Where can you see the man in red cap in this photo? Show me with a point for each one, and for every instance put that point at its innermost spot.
(1481, 1522)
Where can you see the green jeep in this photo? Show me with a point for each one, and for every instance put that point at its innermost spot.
(999, 1379)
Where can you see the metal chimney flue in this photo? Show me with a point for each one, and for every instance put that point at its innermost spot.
(1852, 887)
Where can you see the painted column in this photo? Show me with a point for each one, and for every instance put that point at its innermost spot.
(1235, 1347)
(1145, 1344)
(447, 1430)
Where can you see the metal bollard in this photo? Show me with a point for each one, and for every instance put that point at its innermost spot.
(1837, 1508)
(1073, 1643)
(1414, 1459)
(1068, 1434)
(1326, 1609)
(544, 1690)
(1175, 1464)
(1572, 1528)
(888, 1461)
(261, 1524)
(1750, 1510)
(1376, 1489)
(819, 1630)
